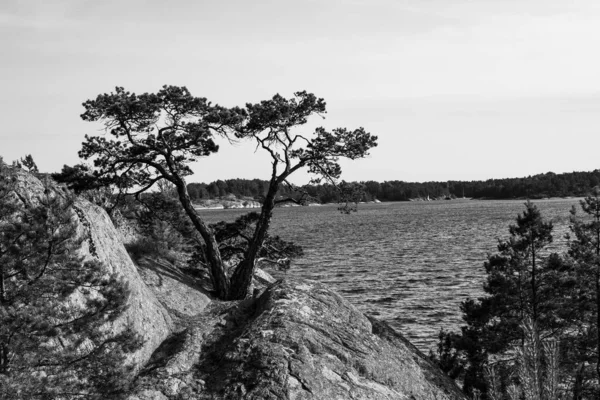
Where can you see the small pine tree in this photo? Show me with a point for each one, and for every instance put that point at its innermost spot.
(29, 165)
(234, 239)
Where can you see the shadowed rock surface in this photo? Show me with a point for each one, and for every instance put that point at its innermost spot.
(179, 293)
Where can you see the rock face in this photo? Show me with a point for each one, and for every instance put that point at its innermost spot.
(145, 313)
(176, 291)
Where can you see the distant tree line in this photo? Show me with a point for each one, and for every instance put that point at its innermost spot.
(256, 189)
(533, 187)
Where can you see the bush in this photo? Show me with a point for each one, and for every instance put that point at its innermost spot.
(146, 247)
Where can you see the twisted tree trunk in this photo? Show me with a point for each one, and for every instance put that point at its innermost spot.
(241, 280)
(213, 255)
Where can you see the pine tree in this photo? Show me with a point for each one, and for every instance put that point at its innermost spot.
(584, 248)
(157, 136)
(522, 254)
(515, 290)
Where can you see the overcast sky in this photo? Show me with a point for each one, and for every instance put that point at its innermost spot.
(455, 90)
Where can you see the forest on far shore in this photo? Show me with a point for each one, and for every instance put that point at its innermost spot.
(532, 187)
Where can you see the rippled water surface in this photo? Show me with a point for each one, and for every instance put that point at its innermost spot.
(409, 263)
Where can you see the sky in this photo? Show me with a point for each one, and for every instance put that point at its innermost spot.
(454, 89)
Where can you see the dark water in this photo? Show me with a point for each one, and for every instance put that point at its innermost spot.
(409, 263)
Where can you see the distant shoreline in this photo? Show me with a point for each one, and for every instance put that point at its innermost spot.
(237, 205)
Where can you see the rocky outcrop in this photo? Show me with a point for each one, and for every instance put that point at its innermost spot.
(298, 340)
(307, 342)
(145, 314)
